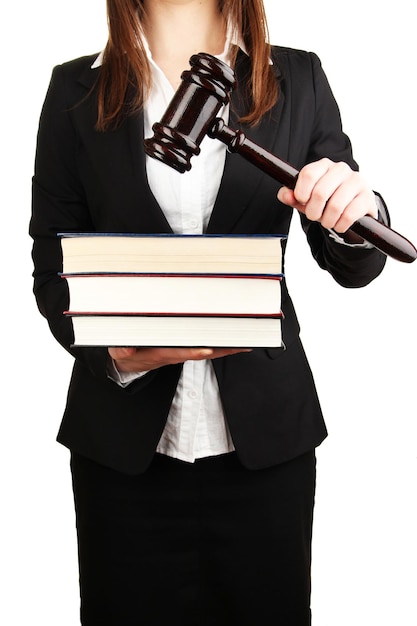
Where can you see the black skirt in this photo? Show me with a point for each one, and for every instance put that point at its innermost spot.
(203, 544)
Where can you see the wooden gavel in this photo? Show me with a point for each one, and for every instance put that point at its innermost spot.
(191, 115)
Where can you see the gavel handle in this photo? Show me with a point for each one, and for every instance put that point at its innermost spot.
(371, 230)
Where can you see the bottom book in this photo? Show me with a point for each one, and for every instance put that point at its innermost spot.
(177, 331)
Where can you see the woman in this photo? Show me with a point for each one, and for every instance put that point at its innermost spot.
(193, 469)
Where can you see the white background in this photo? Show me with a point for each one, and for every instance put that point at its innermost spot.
(361, 343)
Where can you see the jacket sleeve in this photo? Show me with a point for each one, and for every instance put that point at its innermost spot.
(58, 205)
(349, 266)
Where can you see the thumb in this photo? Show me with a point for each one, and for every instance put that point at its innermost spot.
(121, 353)
(286, 196)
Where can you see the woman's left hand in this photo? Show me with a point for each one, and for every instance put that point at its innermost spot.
(332, 194)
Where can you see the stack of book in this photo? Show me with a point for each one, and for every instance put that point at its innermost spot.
(174, 290)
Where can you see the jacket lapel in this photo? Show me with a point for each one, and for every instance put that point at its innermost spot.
(155, 217)
(241, 179)
(129, 168)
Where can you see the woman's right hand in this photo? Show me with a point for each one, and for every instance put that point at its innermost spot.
(146, 359)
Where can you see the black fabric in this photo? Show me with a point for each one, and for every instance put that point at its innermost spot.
(203, 544)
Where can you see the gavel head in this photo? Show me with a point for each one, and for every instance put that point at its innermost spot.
(203, 91)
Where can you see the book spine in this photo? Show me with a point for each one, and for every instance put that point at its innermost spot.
(70, 313)
(81, 235)
(67, 275)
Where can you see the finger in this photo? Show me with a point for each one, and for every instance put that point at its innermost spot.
(167, 356)
(286, 196)
(308, 177)
(198, 354)
(330, 194)
(362, 204)
(195, 354)
(220, 352)
(146, 359)
(121, 353)
(338, 207)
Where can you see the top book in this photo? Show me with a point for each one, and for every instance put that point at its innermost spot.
(169, 253)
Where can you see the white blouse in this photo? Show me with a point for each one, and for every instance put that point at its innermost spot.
(196, 425)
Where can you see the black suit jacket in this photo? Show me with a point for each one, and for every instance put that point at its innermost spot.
(90, 181)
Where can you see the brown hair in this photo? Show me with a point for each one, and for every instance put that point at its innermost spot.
(125, 76)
